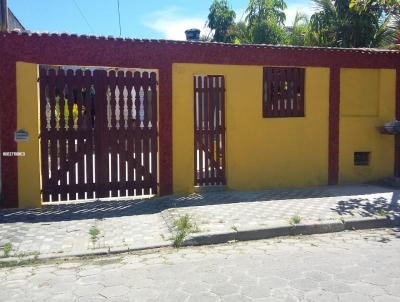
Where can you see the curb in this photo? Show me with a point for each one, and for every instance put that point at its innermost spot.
(311, 228)
(210, 238)
(369, 223)
(90, 253)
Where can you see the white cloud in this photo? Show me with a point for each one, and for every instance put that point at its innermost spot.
(172, 25)
(240, 14)
(305, 8)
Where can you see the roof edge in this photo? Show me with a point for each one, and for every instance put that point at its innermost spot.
(201, 43)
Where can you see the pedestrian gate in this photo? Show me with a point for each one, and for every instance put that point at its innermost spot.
(98, 132)
(209, 130)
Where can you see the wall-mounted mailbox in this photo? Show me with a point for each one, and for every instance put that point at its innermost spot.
(21, 136)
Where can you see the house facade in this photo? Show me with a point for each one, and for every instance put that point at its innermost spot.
(164, 117)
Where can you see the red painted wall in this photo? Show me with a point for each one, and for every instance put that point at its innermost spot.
(156, 54)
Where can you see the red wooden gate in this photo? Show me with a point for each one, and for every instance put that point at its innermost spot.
(209, 130)
(98, 133)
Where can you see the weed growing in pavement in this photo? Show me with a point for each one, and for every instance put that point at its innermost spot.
(7, 248)
(184, 226)
(94, 232)
(235, 228)
(381, 212)
(295, 219)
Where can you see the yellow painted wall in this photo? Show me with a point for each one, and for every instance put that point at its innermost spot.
(367, 100)
(260, 152)
(28, 119)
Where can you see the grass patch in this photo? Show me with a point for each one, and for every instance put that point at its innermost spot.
(295, 219)
(184, 226)
(7, 248)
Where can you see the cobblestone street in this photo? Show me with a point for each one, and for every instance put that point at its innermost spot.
(348, 266)
(62, 230)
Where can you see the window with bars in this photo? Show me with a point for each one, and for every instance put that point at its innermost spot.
(283, 92)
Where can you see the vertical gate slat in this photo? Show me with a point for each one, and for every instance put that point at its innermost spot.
(80, 155)
(267, 93)
(218, 131)
(101, 134)
(62, 136)
(223, 129)
(295, 89)
(196, 130)
(275, 89)
(301, 83)
(206, 136)
(212, 128)
(200, 142)
(154, 143)
(130, 134)
(145, 132)
(122, 135)
(280, 93)
(71, 136)
(271, 94)
(285, 87)
(44, 134)
(137, 133)
(89, 132)
(290, 97)
(53, 135)
(113, 134)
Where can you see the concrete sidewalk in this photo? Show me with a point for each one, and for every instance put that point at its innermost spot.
(63, 230)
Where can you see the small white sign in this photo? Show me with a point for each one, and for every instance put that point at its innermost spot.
(11, 154)
(21, 136)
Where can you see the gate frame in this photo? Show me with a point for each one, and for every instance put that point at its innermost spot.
(29, 166)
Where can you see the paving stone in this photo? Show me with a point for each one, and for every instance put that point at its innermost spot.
(114, 291)
(317, 276)
(235, 298)
(203, 297)
(195, 287)
(321, 296)
(87, 290)
(368, 289)
(335, 287)
(303, 284)
(393, 289)
(386, 298)
(256, 291)
(224, 289)
(354, 297)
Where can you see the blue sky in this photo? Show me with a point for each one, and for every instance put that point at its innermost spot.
(159, 19)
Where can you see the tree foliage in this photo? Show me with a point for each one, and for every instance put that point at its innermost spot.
(265, 20)
(338, 24)
(220, 19)
(335, 23)
(300, 30)
(390, 6)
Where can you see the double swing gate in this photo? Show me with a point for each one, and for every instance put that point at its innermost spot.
(98, 132)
